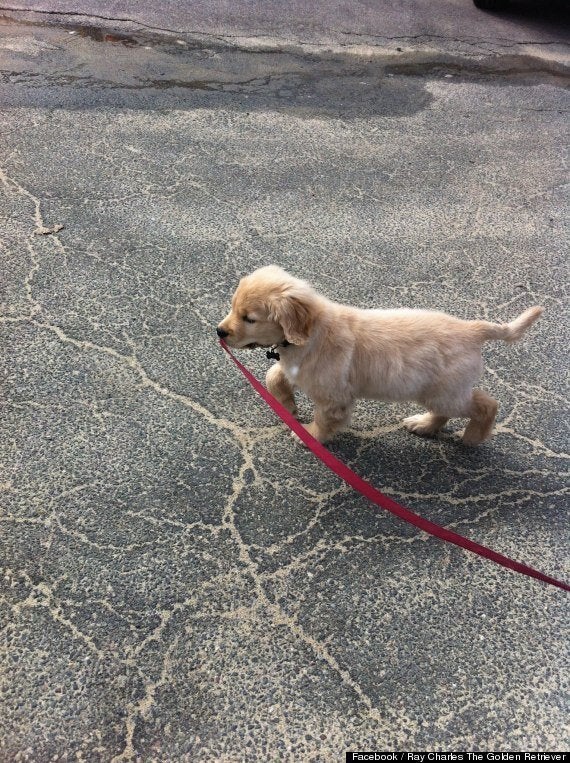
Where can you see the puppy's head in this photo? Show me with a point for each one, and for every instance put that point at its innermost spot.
(268, 307)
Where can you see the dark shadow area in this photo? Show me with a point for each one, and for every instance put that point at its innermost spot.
(550, 17)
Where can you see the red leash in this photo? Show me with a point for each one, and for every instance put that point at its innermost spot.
(379, 498)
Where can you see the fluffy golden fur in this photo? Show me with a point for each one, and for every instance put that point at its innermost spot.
(337, 354)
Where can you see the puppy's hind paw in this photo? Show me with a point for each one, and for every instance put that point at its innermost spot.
(472, 439)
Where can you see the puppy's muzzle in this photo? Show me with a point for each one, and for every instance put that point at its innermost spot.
(221, 333)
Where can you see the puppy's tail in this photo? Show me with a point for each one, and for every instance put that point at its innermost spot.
(509, 332)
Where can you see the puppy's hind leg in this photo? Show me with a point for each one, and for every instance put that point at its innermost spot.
(482, 412)
(280, 387)
(426, 424)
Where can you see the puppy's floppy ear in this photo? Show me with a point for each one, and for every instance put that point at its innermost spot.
(293, 310)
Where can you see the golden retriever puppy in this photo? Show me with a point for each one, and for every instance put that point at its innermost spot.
(337, 354)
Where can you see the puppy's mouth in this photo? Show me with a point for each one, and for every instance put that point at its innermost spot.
(254, 346)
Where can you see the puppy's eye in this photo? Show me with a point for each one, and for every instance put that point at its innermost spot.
(248, 320)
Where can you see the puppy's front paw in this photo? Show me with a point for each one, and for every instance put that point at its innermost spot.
(297, 439)
(311, 429)
(423, 424)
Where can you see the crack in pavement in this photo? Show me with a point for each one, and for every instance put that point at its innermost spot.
(469, 40)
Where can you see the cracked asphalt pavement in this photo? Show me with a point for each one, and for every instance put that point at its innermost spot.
(179, 579)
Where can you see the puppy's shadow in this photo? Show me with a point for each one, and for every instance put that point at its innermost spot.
(439, 477)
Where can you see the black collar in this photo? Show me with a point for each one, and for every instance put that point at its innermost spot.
(272, 352)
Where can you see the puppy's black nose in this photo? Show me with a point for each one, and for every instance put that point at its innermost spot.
(221, 333)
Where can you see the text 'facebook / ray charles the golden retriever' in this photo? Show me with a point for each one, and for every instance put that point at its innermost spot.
(337, 354)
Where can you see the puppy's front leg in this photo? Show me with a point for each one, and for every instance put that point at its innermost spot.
(329, 418)
(280, 387)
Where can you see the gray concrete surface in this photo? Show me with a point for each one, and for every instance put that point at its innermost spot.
(180, 580)
(320, 21)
